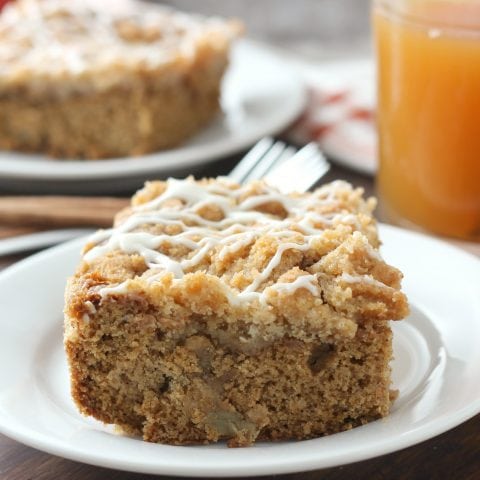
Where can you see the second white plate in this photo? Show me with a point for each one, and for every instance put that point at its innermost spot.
(261, 96)
(436, 369)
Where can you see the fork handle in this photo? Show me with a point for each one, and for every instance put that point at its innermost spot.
(59, 211)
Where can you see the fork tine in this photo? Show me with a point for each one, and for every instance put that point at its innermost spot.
(316, 173)
(282, 166)
(308, 150)
(287, 154)
(304, 169)
(314, 166)
(269, 160)
(248, 162)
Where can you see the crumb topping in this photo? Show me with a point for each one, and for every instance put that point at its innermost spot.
(256, 243)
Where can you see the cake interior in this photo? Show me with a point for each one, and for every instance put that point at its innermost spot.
(144, 116)
(205, 384)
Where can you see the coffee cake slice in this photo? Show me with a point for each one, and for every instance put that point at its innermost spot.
(216, 311)
(111, 78)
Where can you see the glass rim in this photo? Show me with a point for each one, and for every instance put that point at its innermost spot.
(396, 10)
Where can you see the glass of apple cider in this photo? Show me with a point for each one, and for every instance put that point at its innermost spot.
(428, 68)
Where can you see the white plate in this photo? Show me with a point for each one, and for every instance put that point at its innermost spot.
(38, 240)
(260, 96)
(436, 368)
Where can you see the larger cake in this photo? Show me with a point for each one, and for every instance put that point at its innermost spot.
(107, 78)
(217, 311)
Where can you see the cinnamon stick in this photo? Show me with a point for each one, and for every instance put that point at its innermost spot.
(59, 211)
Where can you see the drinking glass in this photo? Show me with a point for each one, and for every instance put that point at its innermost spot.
(428, 70)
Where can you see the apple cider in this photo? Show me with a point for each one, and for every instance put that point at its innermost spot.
(428, 55)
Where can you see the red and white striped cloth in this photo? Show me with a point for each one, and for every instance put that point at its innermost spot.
(340, 113)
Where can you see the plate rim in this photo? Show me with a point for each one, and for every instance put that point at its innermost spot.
(412, 437)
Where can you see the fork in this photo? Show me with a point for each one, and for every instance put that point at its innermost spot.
(282, 166)
(279, 165)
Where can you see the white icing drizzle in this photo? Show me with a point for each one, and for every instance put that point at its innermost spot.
(309, 282)
(90, 307)
(120, 289)
(368, 279)
(273, 263)
(240, 227)
(91, 310)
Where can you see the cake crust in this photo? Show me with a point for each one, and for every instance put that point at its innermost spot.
(214, 311)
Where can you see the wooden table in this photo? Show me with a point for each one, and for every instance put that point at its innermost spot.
(455, 455)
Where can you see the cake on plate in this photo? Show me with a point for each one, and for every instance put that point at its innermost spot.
(112, 78)
(213, 311)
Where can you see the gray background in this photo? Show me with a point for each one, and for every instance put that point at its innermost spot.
(319, 28)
